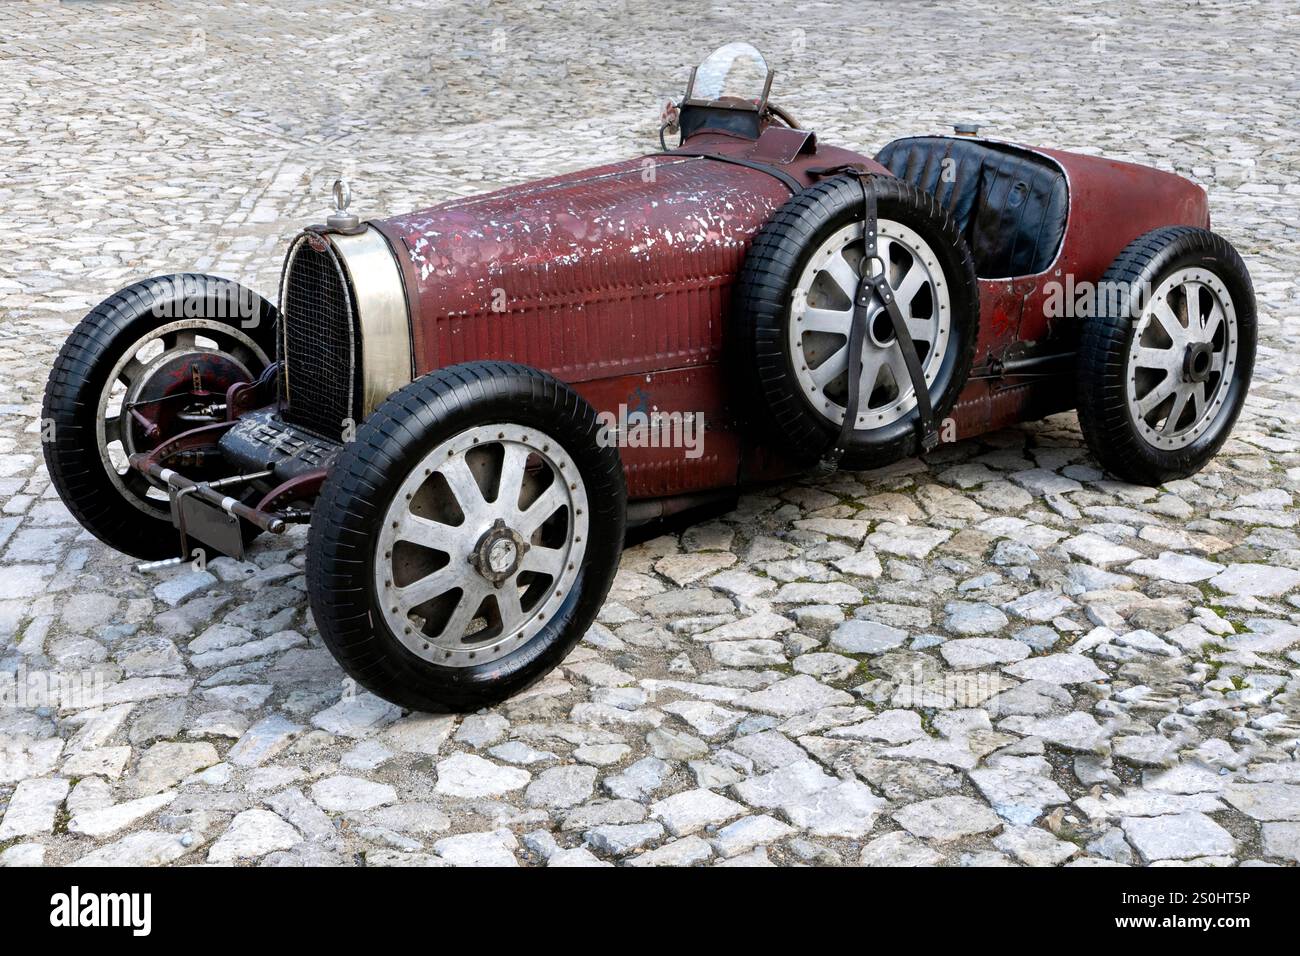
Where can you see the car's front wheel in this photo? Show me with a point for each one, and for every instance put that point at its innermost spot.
(465, 540)
(148, 363)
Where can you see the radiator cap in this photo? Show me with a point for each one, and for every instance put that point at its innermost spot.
(341, 219)
(966, 129)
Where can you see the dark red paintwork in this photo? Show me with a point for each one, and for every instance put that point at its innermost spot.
(618, 279)
(1111, 204)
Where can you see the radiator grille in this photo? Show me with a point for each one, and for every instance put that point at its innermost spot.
(318, 341)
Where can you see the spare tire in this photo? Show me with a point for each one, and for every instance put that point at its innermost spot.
(794, 303)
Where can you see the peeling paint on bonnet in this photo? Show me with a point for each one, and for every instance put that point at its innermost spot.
(643, 251)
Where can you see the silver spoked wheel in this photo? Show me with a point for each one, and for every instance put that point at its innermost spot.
(822, 312)
(481, 544)
(1181, 359)
(142, 389)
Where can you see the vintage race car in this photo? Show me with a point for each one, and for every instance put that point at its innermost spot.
(471, 403)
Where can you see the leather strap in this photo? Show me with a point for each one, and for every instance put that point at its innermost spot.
(870, 288)
(790, 182)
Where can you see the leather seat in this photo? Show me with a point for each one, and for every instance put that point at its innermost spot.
(1009, 204)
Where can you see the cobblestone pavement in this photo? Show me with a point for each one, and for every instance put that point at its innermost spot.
(1121, 662)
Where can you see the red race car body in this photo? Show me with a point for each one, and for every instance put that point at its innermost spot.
(618, 280)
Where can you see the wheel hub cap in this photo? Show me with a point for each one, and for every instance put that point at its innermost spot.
(499, 553)
(1196, 362)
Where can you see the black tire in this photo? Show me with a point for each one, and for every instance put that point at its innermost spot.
(347, 516)
(1104, 414)
(81, 370)
(761, 316)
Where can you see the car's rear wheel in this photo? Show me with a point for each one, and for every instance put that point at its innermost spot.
(465, 540)
(1165, 363)
(148, 363)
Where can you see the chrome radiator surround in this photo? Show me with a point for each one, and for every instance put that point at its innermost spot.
(384, 320)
